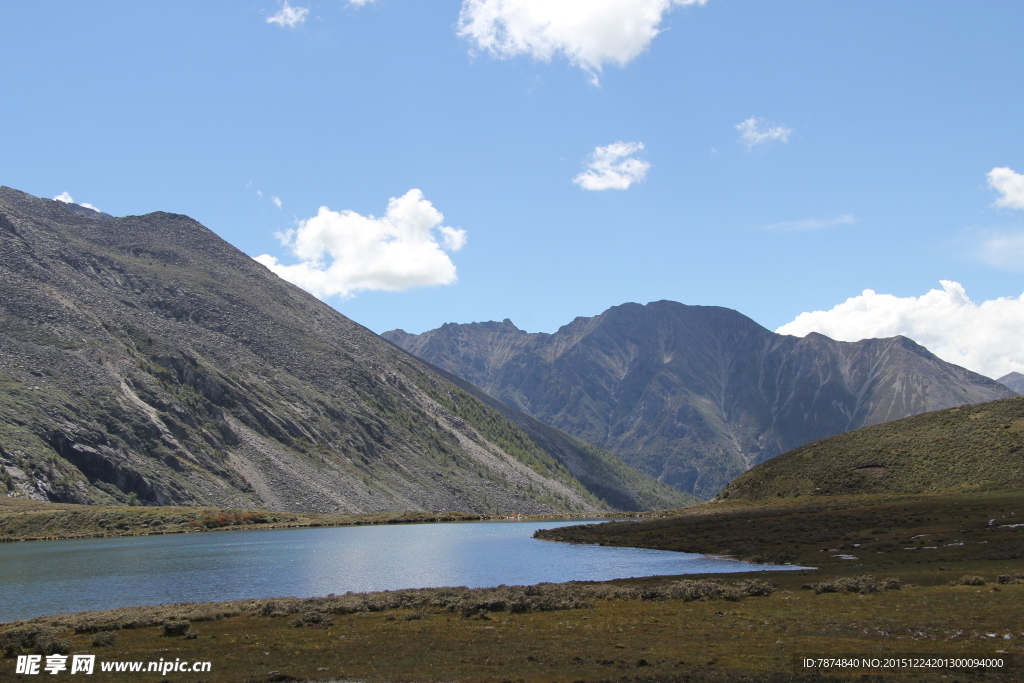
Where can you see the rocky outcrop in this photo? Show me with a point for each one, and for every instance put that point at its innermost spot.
(145, 360)
(695, 395)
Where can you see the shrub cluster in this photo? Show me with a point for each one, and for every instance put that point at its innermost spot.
(312, 617)
(175, 629)
(104, 639)
(215, 521)
(855, 584)
(1010, 578)
(968, 581)
(37, 639)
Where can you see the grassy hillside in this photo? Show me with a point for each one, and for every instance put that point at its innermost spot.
(970, 448)
(922, 534)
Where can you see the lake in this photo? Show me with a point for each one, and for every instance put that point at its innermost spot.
(48, 577)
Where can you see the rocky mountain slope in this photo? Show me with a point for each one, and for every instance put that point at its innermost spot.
(970, 448)
(143, 359)
(1014, 380)
(695, 395)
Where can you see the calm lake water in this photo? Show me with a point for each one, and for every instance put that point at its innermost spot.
(48, 577)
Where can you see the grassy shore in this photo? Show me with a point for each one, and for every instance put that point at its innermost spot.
(645, 631)
(29, 520)
(894, 576)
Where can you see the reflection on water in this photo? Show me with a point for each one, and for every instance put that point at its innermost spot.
(46, 577)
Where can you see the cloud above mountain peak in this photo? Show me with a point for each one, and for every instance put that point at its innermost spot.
(343, 252)
(984, 337)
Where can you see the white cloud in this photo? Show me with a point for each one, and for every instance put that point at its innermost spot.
(589, 33)
(277, 202)
(1010, 185)
(66, 198)
(987, 337)
(452, 239)
(755, 131)
(613, 167)
(360, 3)
(343, 252)
(810, 224)
(288, 16)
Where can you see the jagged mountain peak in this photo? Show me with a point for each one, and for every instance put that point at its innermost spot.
(694, 395)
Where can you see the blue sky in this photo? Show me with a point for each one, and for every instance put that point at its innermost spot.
(879, 122)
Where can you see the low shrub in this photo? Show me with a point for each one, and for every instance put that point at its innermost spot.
(38, 639)
(175, 628)
(14, 640)
(1010, 578)
(47, 643)
(855, 584)
(104, 639)
(414, 616)
(968, 581)
(311, 617)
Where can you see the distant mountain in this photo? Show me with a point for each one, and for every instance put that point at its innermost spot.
(695, 395)
(143, 359)
(1014, 380)
(970, 448)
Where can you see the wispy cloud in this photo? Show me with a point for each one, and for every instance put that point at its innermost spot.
(809, 224)
(755, 131)
(343, 252)
(288, 16)
(613, 167)
(983, 337)
(1003, 250)
(277, 202)
(588, 33)
(1010, 185)
(66, 198)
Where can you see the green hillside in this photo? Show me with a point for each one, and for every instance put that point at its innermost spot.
(970, 448)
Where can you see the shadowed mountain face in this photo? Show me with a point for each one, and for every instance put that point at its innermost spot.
(1014, 380)
(695, 395)
(145, 359)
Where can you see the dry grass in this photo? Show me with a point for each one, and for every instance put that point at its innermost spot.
(175, 619)
(617, 634)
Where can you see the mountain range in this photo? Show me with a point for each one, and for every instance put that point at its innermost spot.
(145, 360)
(696, 395)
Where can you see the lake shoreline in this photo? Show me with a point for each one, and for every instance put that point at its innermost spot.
(22, 520)
(584, 631)
(101, 573)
